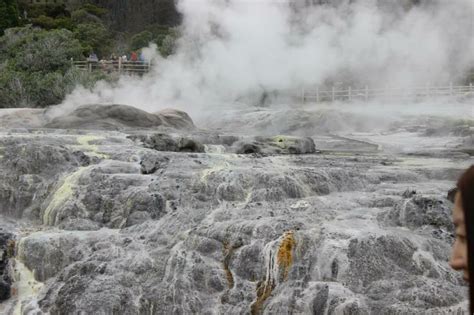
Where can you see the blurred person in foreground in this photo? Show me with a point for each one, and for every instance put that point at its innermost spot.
(462, 257)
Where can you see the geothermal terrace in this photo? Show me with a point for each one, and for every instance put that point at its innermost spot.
(109, 209)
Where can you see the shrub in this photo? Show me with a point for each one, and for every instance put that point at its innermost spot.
(141, 40)
(49, 23)
(81, 16)
(95, 10)
(94, 37)
(162, 36)
(8, 15)
(37, 71)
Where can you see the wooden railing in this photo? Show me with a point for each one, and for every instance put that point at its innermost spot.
(126, 67)
(365, 94)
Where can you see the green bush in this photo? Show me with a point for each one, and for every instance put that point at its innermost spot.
(141, 40)
(37, 71)
(95, 10)
(49, 23)
(94, 37)
(32, 50)
(168, 45)
(12, 90)
(51, 10)
(164, 37)
(8, 15)
(81, 16)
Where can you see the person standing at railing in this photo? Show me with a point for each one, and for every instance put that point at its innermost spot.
(93, 57)
(134, 56)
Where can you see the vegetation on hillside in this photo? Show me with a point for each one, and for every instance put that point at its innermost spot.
(36, 69)
(163, 37)
(9, 16)
(36, 48)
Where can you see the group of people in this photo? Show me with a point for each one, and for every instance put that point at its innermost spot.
(135, 62)
(131, 57)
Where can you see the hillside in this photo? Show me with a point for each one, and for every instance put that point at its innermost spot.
(135, 15)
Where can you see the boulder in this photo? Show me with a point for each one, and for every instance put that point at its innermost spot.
(108, 117)
(116, 117)
(176, 119)
(169, 143)
(275, 145)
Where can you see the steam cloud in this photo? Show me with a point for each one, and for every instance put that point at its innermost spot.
(231, 48)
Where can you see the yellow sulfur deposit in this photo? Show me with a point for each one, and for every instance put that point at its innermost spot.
(90, 149)
(61, 195)
(25, 286)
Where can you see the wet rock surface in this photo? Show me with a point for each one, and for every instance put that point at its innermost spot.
(126, 222)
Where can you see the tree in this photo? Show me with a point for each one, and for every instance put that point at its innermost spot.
(141, 40)
(8, 15)
(49, 23)
(36, 70)
(164, 37)
(94, 37)
(33, 50)
(81, 16)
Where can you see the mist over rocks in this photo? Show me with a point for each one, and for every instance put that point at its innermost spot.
(225, 55)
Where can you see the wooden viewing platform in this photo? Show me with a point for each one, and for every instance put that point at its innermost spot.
(109, 66)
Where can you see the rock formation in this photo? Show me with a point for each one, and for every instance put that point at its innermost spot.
(113, 210)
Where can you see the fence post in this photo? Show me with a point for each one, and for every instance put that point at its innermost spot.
(350, 94)
(366, 93)
(120, 65)
(333, 93)
(451, 88)
(89, 65)
(302, 96)
(317, 94)
(470, 87)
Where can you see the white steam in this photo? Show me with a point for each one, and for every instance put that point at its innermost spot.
(232, 48)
